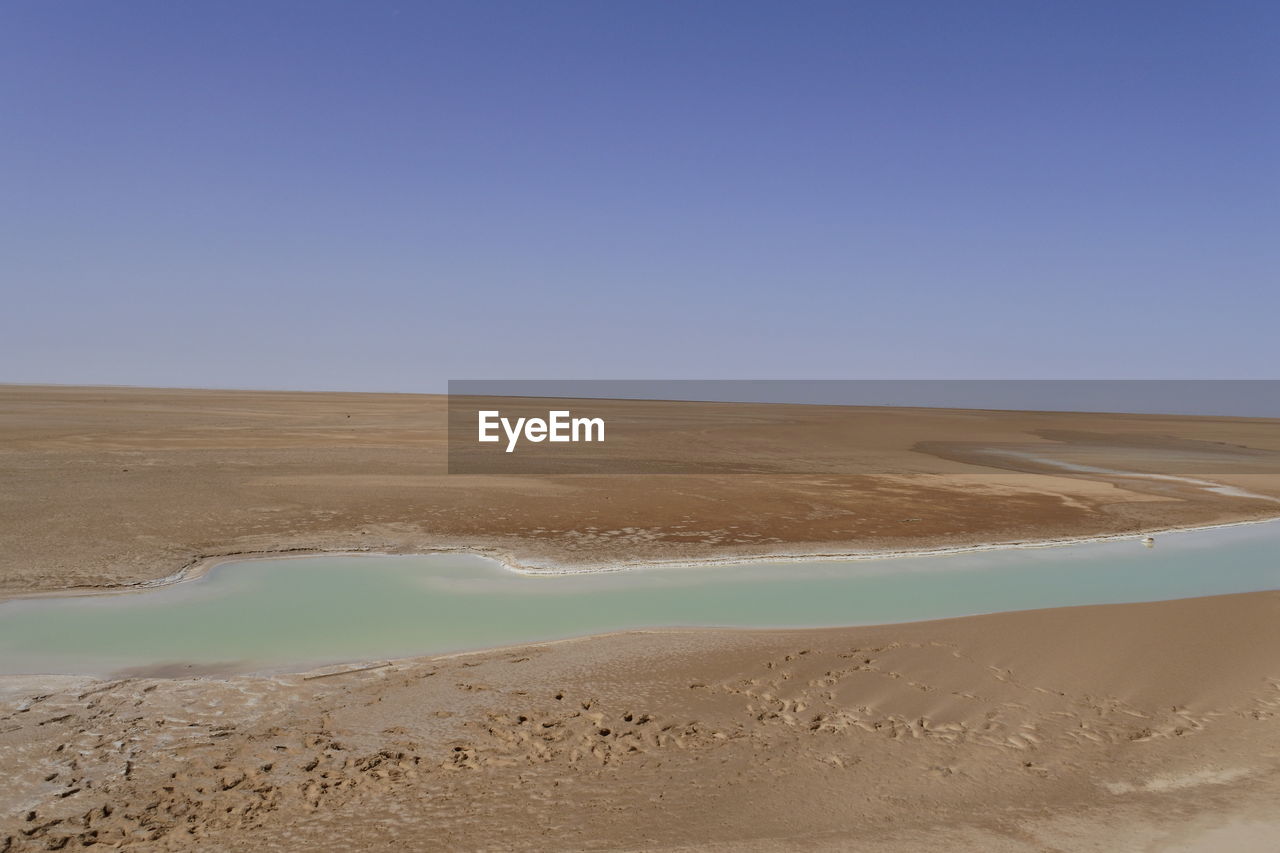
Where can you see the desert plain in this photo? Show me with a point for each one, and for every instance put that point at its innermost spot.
(1123, 727)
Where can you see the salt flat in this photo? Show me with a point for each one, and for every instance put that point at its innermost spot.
(1132, 727)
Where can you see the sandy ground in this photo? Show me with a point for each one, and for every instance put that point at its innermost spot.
(1135, 727)
(1132, 727)
(101, 487)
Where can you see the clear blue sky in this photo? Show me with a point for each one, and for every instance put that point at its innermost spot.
(381, 196)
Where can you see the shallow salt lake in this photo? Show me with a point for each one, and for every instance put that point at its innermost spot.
(298, 613)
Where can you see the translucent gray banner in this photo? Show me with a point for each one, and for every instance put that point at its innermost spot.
(1090, 428)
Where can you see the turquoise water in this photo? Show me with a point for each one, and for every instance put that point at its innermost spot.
(297, 613)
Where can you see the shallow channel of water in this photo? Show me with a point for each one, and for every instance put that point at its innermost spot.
(302, 612)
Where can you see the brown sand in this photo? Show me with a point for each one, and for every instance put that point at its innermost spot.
(106, 486)
(1132, 727)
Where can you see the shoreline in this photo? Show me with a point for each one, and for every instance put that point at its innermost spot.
(1193, 731)
(316, 671)
(201, 566)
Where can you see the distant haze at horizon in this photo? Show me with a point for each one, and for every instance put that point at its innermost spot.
(1239, 398)
(1247, 398)
(375, 197)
